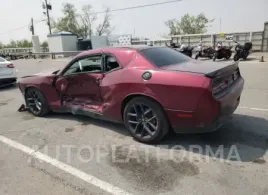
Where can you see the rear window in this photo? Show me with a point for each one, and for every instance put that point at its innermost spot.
(164, 56)
(2, 59)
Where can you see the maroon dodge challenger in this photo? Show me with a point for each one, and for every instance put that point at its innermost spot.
(150, 89)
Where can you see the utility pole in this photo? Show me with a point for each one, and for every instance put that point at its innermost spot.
(47, 7)
(32, 26)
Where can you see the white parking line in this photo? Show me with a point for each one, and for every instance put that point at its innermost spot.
(64, 167)
(258, 109)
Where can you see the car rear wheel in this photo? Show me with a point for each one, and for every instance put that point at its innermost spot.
(145, 120)
(236, 57)
(36, 102)
(228, 56)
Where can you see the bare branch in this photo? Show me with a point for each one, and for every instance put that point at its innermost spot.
(105, 27)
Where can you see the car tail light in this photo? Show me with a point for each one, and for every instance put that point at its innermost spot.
(220, 87)
(10, 66)
(221, 84)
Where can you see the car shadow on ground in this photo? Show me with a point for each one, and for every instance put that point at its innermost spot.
(9, 87)
(84, 121)
(244, 135)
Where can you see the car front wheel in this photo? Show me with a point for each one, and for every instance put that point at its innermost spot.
(146, 120)
(36, 102)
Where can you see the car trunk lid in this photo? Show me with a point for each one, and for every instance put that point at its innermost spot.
(209, 69)
(223, 75)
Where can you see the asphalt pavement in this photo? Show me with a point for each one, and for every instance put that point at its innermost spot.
(66, 154)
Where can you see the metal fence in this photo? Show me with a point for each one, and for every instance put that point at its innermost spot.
(259, 40)
(211, 39)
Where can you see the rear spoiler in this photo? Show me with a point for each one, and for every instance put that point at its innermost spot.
(221, 72)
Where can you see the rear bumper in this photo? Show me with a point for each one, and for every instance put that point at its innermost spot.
(210, 114)
(205, 129)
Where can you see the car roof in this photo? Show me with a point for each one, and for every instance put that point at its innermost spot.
(116, 48)
(117, 51)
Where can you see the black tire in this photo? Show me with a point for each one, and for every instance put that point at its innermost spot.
(236, 57)
(210, 56)
(215, 56)
(196, 57)
(228, 56)
(245, 56)
(136, 124)
(36, 102)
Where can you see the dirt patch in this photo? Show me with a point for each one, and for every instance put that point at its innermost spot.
(69, 129)
(150, 172)
(259, 161)
(3, 103)
(28, 117)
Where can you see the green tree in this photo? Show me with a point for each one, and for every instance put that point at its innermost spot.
(11, 44)
(188, 25)
(24, 43)
(69, 21)
(82, 23)
(44, 44)
(18, 43)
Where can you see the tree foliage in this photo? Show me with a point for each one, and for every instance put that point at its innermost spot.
(188, 25)
(69, 21)
(17, 44)
(82, 23)
(44, 44)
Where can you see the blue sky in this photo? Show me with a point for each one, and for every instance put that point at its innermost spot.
(236, 15)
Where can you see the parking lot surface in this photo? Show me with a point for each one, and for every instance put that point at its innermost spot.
(66, 154)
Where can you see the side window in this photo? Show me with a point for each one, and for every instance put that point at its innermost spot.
(88, 64)
(110, 63)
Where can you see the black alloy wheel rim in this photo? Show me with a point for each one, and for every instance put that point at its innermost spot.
(33, 102)
(142, 120)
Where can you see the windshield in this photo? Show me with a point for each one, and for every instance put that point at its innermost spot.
(163, 56)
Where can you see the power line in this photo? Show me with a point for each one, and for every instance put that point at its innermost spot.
(138, 6)
(19, 28)
(113, 10)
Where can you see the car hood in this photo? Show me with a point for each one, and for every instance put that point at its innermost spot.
(48, 72)
(202, 67)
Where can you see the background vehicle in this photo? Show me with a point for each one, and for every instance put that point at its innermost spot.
(7, 73)
(203, 52)
(222, 51)
(114, 85)
(186, 50)
(242, 51)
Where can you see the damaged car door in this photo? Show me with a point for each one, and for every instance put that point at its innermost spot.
(79, 84)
